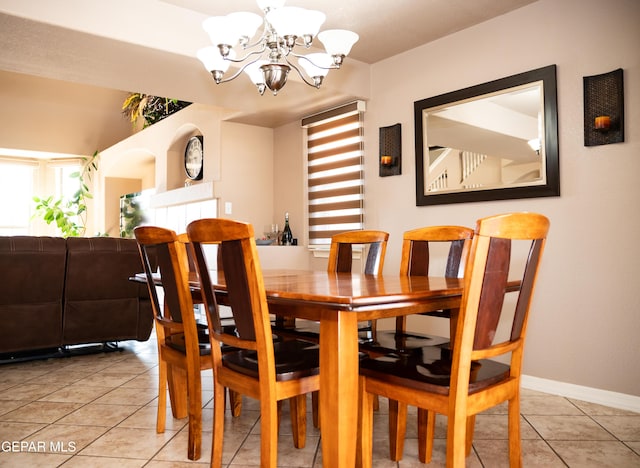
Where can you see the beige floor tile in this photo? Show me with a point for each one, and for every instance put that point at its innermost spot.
(594, 409)
(60, 438)
(31, 459)
(40, 411)
(28, 392)
(145, 418)
(548, 405)
(596, 454)
(146, 380)
(63, 377)
(81, 461)
(635, 446)
(495, 453)
(107, 379)
(12, 431)
(492, 427)
(128, 443)
(126, 396)
(76, 393)
(10, 405)
(568, 428)
(625, 428)
(288, 455)
(172, 464)
(97, 414)
(438, 457)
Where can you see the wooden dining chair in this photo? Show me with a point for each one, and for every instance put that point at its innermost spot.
(374, 247)
(415, 261)
(261, 368)
(183, 345)
(417, 246)
(462, 379)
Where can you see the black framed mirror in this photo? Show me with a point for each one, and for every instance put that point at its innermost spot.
(493, 141)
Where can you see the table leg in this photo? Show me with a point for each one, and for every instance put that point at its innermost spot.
(339, 388)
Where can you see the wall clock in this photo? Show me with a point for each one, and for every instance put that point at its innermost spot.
(193, 158)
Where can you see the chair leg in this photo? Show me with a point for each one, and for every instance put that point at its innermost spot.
(315, 408)
(426, 432)
(298, 410)
(194, 394)
(397, 428)
(218, 424)
(456, 439)
(235, 402)
(364, 446)
(162, 397)
(515, 451)
(177, 382)
(471, 423)
(268, 431)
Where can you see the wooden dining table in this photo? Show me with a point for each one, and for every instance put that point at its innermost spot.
(339, 301)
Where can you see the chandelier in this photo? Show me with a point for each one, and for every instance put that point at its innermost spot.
(269, 58)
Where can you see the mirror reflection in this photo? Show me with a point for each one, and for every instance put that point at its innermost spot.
(490, 142)
(497, 140)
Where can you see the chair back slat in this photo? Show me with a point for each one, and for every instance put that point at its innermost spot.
(344, 258)
(419, 258)
(526, 289)
(374, 258)
(493, 292)
(233, 260)
(455, 259)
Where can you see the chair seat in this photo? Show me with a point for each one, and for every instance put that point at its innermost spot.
(401, 343)
(294, 359)
(177, 341)
(429, 368)
(308, 330)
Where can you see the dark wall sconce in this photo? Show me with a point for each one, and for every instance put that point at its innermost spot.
(603, 108)
(390, 159)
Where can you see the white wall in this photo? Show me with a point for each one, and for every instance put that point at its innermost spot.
(586, 313)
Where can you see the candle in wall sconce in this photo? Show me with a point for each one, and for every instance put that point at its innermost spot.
(385, 160)
(603, 122)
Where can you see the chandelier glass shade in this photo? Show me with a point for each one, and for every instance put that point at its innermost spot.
(268, 58)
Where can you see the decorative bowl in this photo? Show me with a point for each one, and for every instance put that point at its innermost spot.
(264, 241)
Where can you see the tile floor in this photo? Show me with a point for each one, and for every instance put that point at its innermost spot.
(99, 411)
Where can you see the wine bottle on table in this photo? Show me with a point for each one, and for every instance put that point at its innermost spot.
(287, 236)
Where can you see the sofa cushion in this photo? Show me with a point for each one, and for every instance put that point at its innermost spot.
(101, 304)
(32, 271)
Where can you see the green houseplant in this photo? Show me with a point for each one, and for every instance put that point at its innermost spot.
(70, 216)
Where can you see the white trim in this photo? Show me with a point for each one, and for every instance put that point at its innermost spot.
(579, 392)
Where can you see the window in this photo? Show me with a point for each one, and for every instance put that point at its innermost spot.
(16, 192)
(335, 172)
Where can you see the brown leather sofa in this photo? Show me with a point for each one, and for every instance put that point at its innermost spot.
(56, 293)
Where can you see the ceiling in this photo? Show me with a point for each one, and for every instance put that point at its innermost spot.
(149, 46)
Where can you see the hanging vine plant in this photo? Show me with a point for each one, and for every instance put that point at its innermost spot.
(150, 108)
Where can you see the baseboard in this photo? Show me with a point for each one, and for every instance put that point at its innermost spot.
(592, 395)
